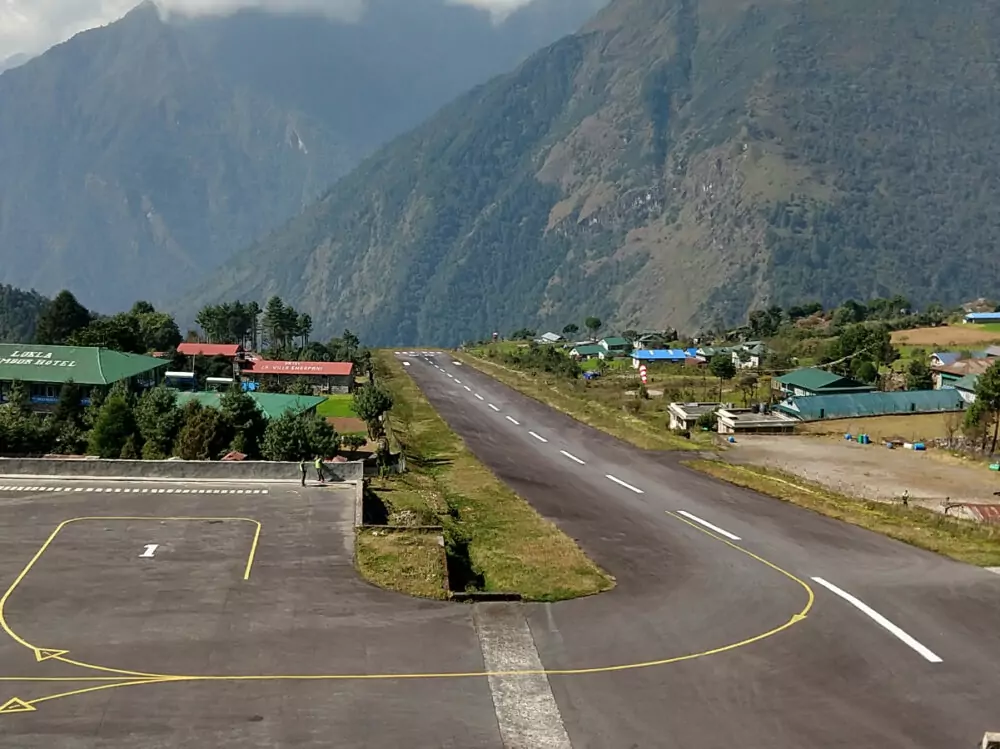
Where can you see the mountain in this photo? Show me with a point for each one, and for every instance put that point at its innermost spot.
(676, 162)
(13, 61)
(19, 313)
(137, 157)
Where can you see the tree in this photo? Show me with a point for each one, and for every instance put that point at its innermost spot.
(522, 334)
(63, 317)
(304, 327)
(353, 442)
(371, 402)
(593, 324)
(245, 420)
(571, 330)
(721, 366)
(159, 420)
(158, 331)
(286, 439)
(747, 385)
(918, 375)
(630, 335)
(988, 398)
(322, 437)
(114, 426)
(204, 434)
(142, 308)
(121, 332)
(70, 407)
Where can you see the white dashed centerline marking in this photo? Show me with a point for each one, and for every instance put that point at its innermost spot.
(881, 620)
(493, 407)
(538, 437)
(572, 457)
(622, 483)
(467, 388)
(515, 422)
(458, 381)
(479, 396)
(717, 529)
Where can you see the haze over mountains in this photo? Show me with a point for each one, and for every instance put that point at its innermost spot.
(677, 161)
(137, 157)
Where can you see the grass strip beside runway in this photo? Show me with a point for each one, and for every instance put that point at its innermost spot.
(509, 547)
(963, 540)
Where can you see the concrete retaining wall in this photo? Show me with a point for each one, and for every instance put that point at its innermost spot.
(190, 470)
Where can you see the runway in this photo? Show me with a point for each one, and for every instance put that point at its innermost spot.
(898, 649)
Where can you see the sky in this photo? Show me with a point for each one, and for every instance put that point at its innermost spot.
(32, 26)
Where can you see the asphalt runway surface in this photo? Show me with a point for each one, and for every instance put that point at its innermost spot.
(897, 648)
(138, 614)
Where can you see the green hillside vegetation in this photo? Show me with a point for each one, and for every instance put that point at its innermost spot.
(674, 163)
(19, 313)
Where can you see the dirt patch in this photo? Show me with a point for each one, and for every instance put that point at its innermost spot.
(347, 425)
(870, 471)
(945, 336)
(916, 428)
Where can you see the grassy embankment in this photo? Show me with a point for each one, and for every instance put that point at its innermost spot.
(495, 541)
(963, 540)
(602, 403)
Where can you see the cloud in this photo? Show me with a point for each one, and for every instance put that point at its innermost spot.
(34, 25)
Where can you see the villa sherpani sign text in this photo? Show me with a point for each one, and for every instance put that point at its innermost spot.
(36, 359)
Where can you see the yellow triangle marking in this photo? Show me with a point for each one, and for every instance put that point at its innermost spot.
(16, 705)
(44, 654)
(797, 618)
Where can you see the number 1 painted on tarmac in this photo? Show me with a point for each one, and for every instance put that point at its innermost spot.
(150, 550)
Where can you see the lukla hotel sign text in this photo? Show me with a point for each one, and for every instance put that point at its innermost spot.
(36, 359)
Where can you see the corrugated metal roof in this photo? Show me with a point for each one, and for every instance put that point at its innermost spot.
(967, 383)
(978, 316)
(81, 364)
(302, 368)
(272, 405)
(816, 407)
(811, 378)
(965, 367)
(674, 354)
(588, 349)
(947, 357)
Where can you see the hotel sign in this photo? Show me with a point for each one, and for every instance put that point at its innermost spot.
(36, 359)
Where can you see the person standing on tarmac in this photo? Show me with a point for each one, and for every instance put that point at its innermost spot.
(319, 470)
(302, 470)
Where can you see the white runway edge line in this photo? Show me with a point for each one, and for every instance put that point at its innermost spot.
(717, 529)
(572, 457)
(493, 407)
(527, 714)
(538, 437)
(513, 421)
(479, 396)
(623, 483)
(467, 388)
(881, 620)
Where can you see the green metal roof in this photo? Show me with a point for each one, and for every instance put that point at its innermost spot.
(849, 405)
(588, 350)
(616, 341)
(272, 405)
(60, 364)
(819, 379)
(966, 383)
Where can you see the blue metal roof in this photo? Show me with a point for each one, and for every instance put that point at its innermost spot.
(672, 354)
(983, 316)
(947, 357)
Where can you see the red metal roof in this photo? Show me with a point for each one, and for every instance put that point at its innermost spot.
(304, 368)
(209, 349)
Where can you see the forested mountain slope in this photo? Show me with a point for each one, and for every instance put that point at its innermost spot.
(676, 162)
(137, 157)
